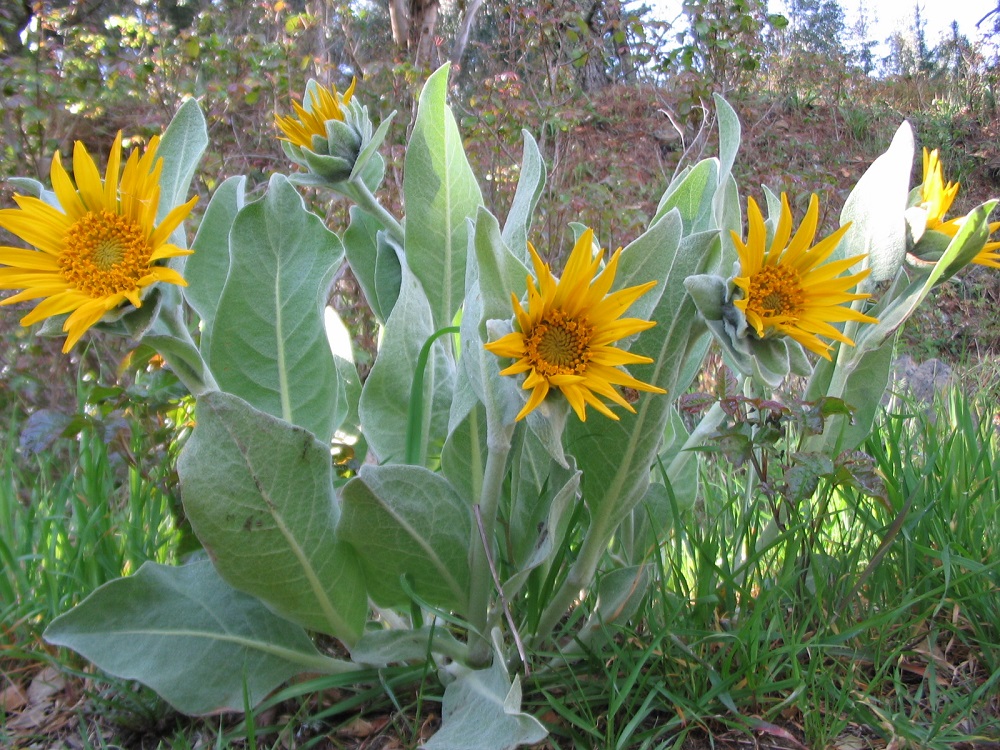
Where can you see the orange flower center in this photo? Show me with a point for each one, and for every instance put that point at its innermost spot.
(559, 345)
(775, 291)
(105, 254)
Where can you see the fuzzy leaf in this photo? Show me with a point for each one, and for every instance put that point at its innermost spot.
(530, 184)
(482, 711)
(188, 635)
(386, 395)
(423, 531)
(876, 206)
(259, 494)
(269, 344)
(207, 269)
(440, 192)
(181, 147)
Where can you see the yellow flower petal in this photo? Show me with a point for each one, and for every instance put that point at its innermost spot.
(101, 250)
(785, 289)
(309, 121)
(564, 334)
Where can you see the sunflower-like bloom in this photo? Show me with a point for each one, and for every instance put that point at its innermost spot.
(565, 334)
(936, 198)
(102, 249)
(324, 104)
(787, 288)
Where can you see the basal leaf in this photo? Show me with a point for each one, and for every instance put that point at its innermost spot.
(385, 398)
(188, 635)
(408, 521)
(482, 711)
(207, 269)
(181, 147)
(440, 192)
(876, 206)
(530, 184)
(259, 494)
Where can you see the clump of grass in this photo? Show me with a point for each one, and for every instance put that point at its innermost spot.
(75, 517)
(884, 624)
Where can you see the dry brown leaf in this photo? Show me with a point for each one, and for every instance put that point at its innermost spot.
(12, 698)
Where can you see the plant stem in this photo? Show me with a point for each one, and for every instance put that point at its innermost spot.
(595, 544)
(481, 580)
(184, 357)
(365, 199)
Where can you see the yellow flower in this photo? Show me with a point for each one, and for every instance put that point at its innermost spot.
(101, 249)
(324, 104)
(565, 334)
(936, 198)
(786, 288)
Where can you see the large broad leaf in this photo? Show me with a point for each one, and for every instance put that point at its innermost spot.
(482, 711)
(875, 209)
(191, 637)
(385, 399)
(406, 521)
(181, 147)
(269, 345)
(207, 269)
(440, 192)
(259, 494)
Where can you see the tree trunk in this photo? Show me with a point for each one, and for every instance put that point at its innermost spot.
(399, 18)
(592, 75)
(464, 30)
(423, 21)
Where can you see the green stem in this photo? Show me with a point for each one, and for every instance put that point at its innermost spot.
(595, 544)
(182, 355)
(365, 199)
(481, 580)
(415, 412)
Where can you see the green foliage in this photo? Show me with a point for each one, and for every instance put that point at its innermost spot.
(259, 493)
(486, 528)
(155, 621)
(281, 261)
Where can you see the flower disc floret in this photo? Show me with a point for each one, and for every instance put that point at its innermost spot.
(787, 289)
(99, 249)
(564, 336)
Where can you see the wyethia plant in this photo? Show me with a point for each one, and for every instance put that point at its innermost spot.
(516, 427)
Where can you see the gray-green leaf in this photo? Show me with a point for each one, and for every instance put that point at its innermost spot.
(259, 494)
(188, 635)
